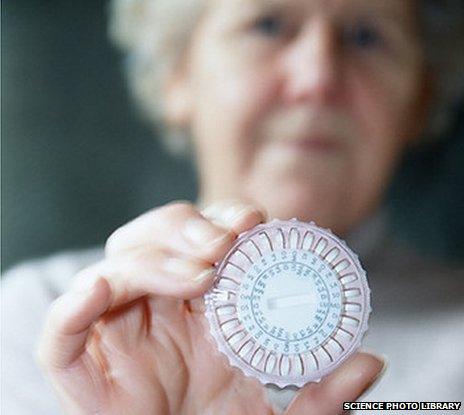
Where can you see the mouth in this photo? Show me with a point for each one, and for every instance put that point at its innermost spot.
(315, 144)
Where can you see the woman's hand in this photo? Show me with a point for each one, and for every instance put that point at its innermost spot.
(130, 336)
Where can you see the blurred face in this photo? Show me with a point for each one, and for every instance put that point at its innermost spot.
(302, 106)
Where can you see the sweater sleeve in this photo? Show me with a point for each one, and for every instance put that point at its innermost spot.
(27, 292)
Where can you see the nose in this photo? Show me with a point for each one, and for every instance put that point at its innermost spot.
(311, 69)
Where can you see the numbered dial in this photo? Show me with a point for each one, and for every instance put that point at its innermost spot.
(290, 303)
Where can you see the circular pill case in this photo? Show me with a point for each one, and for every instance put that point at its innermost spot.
(289, 304)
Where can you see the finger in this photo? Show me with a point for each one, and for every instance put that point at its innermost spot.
(235, 215)
(176, 226)
(149, 271)
(68, 323)
(109, 284)
(346, 384)
(181, 227)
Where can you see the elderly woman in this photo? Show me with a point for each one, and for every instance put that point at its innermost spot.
(291, 108)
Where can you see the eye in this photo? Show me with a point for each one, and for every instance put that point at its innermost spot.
(364, 36)
(270, 25)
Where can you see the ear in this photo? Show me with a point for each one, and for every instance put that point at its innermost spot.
(177, 97)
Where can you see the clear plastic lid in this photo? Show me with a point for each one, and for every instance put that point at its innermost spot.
(289, 304)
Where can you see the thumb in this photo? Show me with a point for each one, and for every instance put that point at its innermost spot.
(346, 384)
(68, 325)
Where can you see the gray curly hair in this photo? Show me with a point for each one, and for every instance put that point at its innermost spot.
(154, 41)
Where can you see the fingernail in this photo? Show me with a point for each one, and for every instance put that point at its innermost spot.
(200, 232)
(187, 270)
(235, 212)
(371, 385)
(85, 286)
(224, 214)
(379, 356)
(205, 275)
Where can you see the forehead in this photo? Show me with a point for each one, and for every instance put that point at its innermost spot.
(388, 8)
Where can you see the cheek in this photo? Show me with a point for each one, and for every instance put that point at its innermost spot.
(238, 94)
(231, 98)
(381, 106)
(382, 103)
(383, 99)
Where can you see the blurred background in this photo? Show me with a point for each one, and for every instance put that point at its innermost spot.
(77, 161)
